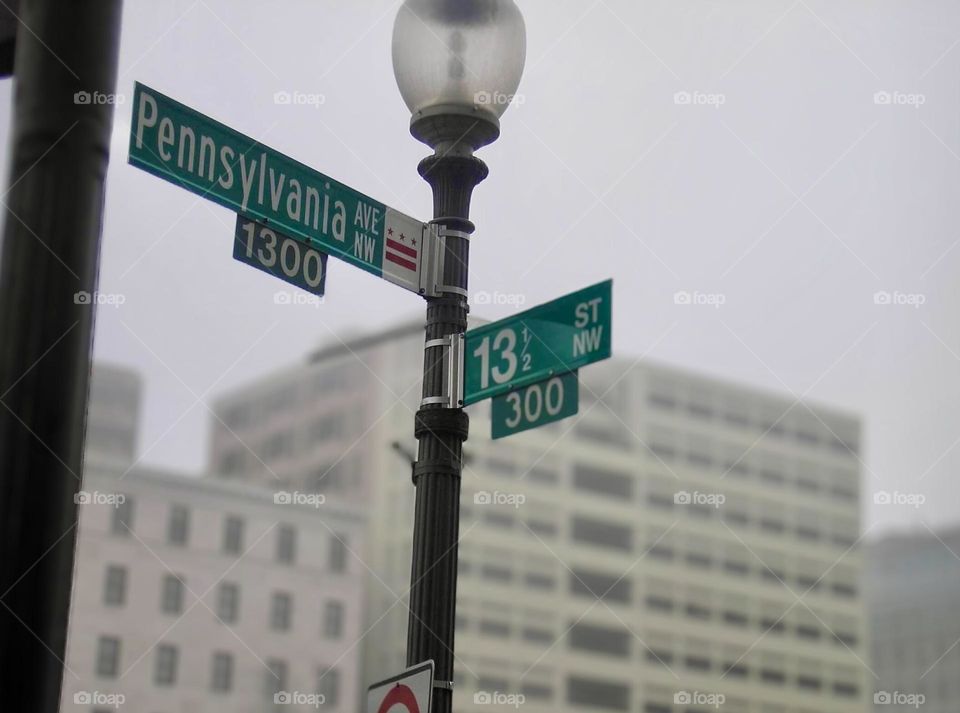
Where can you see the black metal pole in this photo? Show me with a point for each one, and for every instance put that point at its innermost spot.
(52, 216)
(452, 172)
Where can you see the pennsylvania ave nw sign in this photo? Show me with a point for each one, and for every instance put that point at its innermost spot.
(195, 152)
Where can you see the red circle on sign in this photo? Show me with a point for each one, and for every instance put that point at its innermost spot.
(400, 694)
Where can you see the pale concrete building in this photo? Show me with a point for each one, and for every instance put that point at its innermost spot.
(683, 540)
(195, 595)
(912, 591)
(113, 415)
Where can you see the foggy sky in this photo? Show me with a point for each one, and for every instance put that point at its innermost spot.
(789, 191)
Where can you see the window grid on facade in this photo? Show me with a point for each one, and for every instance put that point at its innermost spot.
(178, 526)
(115, 586)
(171, 598)
(165, 666)
(108, 656)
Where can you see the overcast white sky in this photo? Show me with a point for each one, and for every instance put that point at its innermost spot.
(797, 199)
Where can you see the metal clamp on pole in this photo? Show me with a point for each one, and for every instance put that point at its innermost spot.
(434, 254)
(453, 383)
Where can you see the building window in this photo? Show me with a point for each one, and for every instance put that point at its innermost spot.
(108, 656)
(536, 580)
(328, 685)
(772, 676)
(659, 603)
(499, 629)
(847, 690)
(171, 595)
(333, 620)
(276, 677)
(165, 669)
(115, 586)
(281, 611)
(541, 474)
(178, 527)
(121, 522)
(221, 678)
(496, 573)
(536, 690)
(537, 635)
(228, 602)
(595, 693)
(602, 482)
(612, 588)
(697, 663)
(233, 535)
(601, 533)
(599, 639)
(735, 669)
(286, 544)
(338, 554)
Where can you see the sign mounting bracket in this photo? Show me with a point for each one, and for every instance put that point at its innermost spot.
(453, 365)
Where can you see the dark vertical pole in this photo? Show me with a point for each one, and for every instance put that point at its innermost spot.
(52, 215)
(452, 172)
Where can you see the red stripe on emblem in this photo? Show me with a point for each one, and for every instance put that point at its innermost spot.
(400, 248)
(401, 262)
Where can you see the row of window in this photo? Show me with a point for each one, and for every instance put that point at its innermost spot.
(233, 537)
(843, 487)
(623, 485)
(330, 379)
(172, 594)
(773, 623)
(166, 665)
(613, 695)
(812, 434)
(697, 554)
(617, 642)
(771, 571)
(771, 520)
(503, 573)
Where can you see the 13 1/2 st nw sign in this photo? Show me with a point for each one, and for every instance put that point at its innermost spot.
(191, 150)
(544, 341)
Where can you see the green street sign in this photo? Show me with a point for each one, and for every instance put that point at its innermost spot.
(195, 152)
(276, 254)
(535, 405)
(544, 341)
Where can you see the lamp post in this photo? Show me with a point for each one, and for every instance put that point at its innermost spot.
(457, 64)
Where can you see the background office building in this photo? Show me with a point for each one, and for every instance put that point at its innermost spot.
(192, 594)
(682, 539)
(913, 601)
